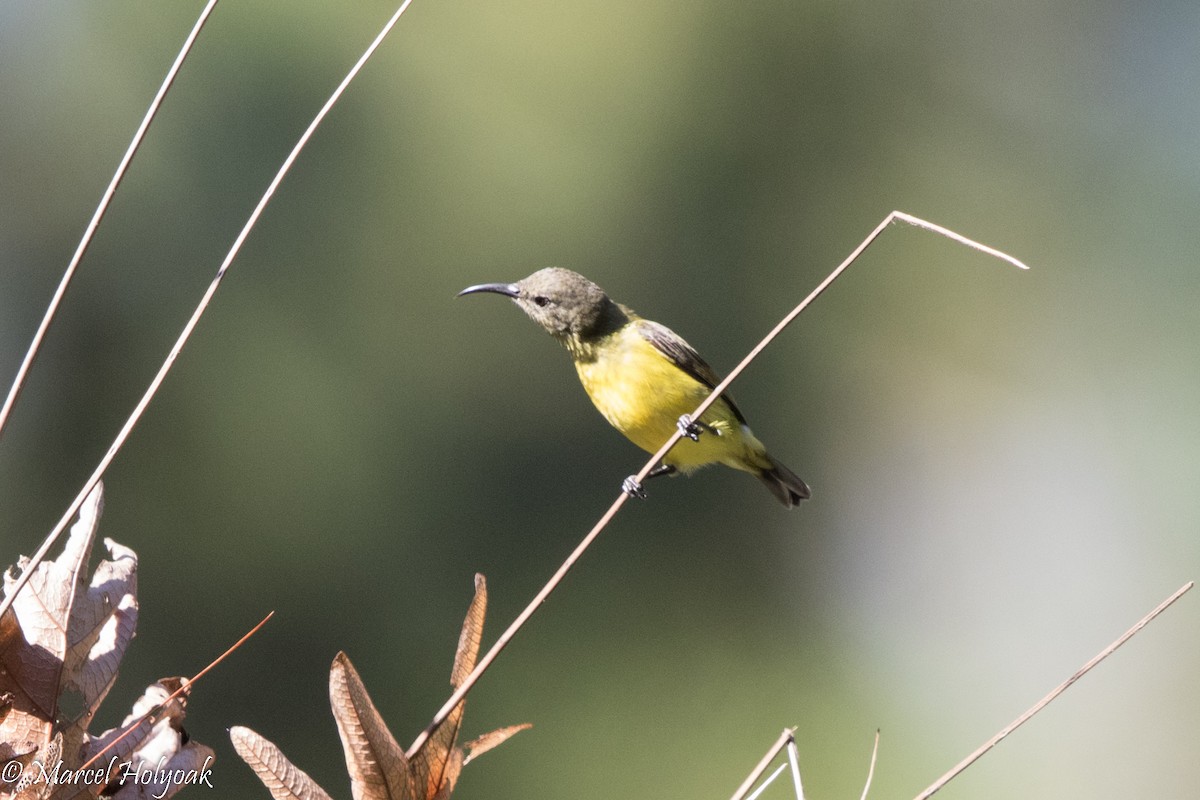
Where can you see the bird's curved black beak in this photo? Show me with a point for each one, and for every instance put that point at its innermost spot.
(506, 289)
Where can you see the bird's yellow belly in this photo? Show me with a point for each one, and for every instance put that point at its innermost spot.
(642, 394)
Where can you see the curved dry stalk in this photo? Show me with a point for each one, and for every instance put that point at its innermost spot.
(788, 740)
(184, 686)
(794, 762)
(871, 768)
(787, 737)
(88, 233)
(176, 348)
(806, 302)
(579, 550)
(1062, 687)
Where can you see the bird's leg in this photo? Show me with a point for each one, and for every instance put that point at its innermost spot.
(661, 469)
(631, 487)
(691, 429)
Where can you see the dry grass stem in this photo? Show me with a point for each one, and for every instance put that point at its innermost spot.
(762, 787)
(31, 354)
(579, 550)
(794, 761)
(871, 768)
(1062, 687)
(201, 307)
(184, 686)
(806, 302)
(787, 736)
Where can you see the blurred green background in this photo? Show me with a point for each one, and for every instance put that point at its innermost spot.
(1003, 464)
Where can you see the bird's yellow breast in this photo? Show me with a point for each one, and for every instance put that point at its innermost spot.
(642, 393)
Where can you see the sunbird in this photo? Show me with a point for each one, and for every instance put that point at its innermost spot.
(645, 379)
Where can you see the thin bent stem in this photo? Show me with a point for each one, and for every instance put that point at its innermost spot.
(1062, 687)
(140, 408)
(183, 687)
(871, 769)
(806, 302)
(762, 787)
(34, 346)
(575, 555)
(794, 761)
(784, 739)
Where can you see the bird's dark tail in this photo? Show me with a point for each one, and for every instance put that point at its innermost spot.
(784, 484)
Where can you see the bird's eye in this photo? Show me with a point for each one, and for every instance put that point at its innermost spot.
(541, 300)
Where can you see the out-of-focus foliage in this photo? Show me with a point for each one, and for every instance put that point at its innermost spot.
(1003, 464)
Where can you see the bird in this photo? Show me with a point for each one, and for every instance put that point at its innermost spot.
(645, 380)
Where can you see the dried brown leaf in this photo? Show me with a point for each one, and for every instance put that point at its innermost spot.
(376, 763)
(10, 631)
(73, 637)
(33, 668)
(435, 767)
(103, 623)
(11, 643)
(189, 765)
(281, 777)
(472, 634)
(480, 745)
(32, 657)
(156, 744)
(61, 645)
(28, 684)
(44, 607)
(454, 766)
(33, 783)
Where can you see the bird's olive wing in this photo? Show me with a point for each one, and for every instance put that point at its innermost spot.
(684, 356)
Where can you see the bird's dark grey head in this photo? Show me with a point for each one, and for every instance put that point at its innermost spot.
(569, 306)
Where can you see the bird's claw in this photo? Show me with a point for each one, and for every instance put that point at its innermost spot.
(631, 487)
(689, 428)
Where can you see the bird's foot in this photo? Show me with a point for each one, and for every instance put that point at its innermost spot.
(690, 428)
(631, 487)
